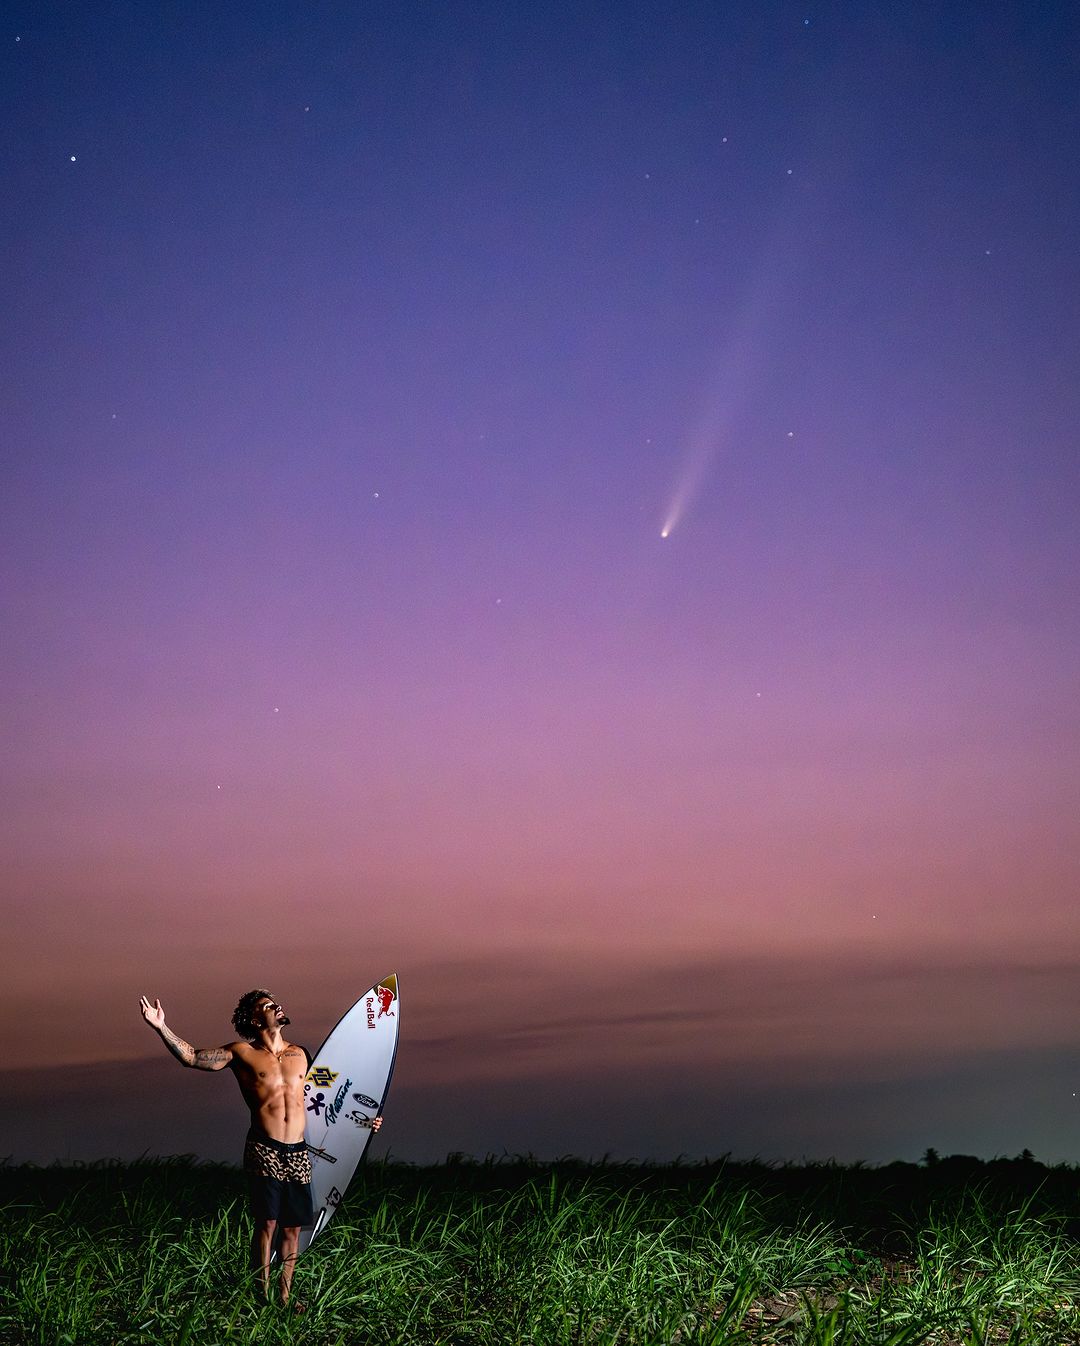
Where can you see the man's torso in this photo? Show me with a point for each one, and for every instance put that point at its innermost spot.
(273, 1088)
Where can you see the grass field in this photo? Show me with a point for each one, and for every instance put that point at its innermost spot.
(555, 1255)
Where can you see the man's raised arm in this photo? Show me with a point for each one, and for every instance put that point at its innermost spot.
(198, 1058)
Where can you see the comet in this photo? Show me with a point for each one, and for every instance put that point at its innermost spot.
(697, 463)
(737, 370)
(713, 430)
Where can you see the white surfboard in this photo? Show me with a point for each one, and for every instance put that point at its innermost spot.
(344, 1091)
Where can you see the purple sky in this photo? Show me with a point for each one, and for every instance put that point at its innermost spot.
(354, 359)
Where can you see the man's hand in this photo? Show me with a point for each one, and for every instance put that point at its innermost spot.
(202, 1058)
(376, 1123)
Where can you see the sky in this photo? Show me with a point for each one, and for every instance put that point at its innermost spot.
(576, 504)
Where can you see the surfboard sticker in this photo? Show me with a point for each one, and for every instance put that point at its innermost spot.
(344, 1091)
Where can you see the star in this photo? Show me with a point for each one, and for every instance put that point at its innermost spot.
(73, 158)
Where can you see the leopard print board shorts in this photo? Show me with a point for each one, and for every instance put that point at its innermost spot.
(279, 1180)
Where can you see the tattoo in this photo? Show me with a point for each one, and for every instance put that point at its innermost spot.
(206, 1058)
(183, 1051)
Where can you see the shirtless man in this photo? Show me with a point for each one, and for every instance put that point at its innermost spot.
(270, 1073)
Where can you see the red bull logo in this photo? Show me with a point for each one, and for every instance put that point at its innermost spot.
(385, 997)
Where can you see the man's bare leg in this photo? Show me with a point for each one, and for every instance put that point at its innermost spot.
(290, 1247)
(262, 1248)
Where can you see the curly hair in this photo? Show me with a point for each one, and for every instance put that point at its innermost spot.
(242, 1014)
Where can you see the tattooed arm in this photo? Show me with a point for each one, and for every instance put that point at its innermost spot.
(198, 1058)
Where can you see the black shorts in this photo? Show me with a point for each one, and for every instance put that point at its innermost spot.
(279, 1180)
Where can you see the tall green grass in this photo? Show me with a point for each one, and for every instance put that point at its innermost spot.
(561, 1255)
